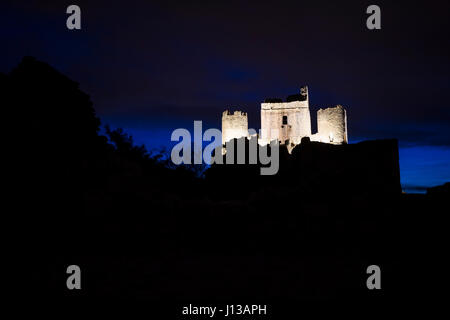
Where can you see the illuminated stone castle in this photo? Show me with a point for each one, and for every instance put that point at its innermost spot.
(288, 122)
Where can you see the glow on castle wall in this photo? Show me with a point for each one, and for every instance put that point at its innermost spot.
(288, 122)
(234, 125)
(332, 125)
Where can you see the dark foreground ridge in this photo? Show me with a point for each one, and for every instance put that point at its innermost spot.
(313, 168)
(141, 229)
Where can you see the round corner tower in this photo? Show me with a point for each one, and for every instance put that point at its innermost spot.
(332, 125)
(234, 125)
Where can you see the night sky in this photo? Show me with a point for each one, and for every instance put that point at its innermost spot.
(152, 68)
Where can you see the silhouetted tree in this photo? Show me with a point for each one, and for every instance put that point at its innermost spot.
(124, 145)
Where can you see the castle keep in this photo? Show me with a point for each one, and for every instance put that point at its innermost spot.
(288, 122)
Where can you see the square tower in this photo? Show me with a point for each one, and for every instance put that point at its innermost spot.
(287, 122)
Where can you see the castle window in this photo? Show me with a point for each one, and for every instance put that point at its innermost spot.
(285, 120)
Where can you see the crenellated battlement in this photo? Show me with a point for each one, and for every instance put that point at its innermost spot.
(235, 113)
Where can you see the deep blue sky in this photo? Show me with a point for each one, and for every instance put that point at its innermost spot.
(151, 68)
